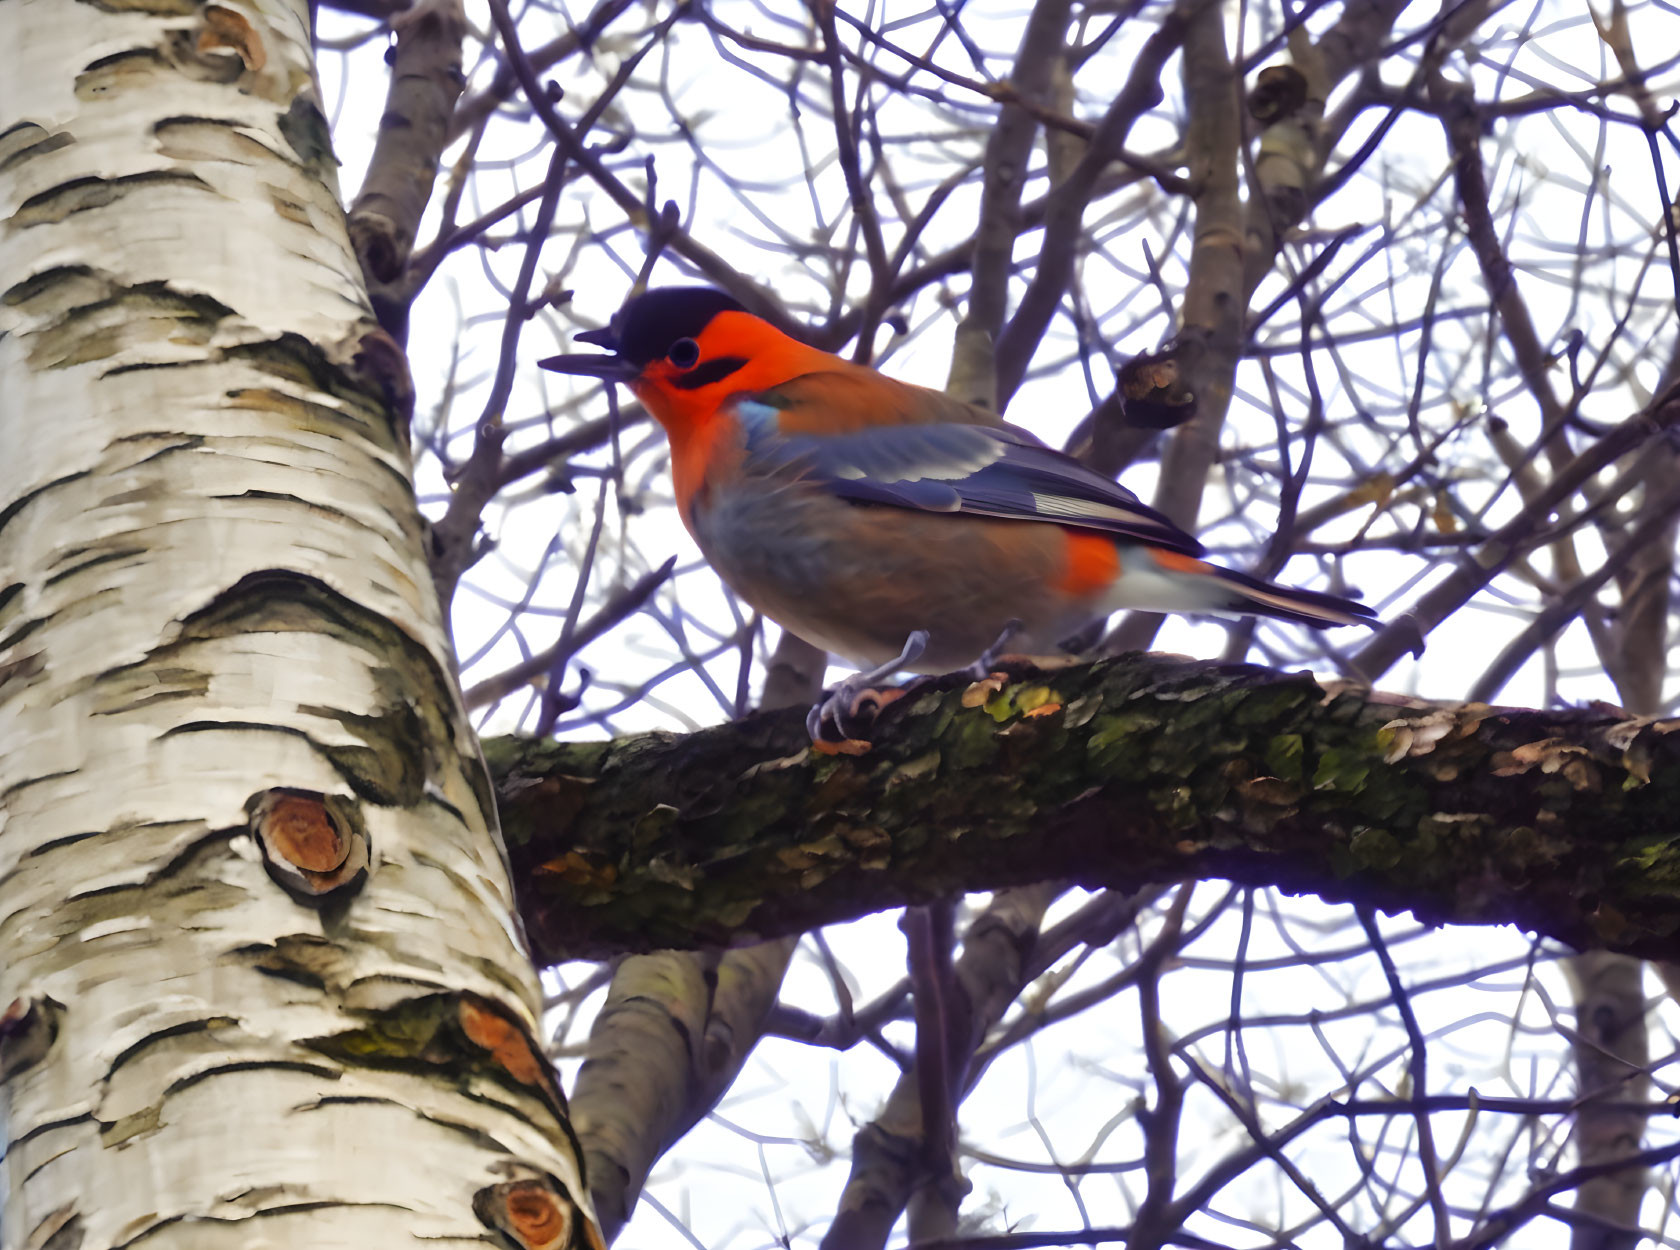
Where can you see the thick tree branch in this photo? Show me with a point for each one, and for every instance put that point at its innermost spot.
(669, 1042)
(1003, 177)
(1212, 311)
(892, 1164)
(1066, 203)
(675, 1031)
(426, 81)
(1146, 768)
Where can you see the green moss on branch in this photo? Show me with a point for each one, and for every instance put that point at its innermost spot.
(1138, 769)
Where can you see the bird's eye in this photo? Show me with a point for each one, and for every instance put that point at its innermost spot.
(684, 353)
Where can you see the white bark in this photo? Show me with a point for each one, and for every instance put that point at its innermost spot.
(211, 585)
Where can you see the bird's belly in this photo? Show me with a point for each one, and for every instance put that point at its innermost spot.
(857, 579)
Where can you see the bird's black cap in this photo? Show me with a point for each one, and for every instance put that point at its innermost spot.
(644, 330)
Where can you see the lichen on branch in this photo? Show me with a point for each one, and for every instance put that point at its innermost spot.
(1142, 768)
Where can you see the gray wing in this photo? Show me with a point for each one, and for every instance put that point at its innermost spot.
(995, 471)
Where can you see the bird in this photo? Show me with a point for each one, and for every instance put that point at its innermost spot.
(888, 523)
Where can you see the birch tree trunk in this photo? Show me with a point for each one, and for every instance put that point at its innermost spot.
(264, 978)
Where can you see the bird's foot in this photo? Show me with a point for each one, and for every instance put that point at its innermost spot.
(841, 709)
(982, 668)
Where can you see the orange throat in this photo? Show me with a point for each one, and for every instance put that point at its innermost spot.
(698, 449)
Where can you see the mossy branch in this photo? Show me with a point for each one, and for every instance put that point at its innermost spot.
(1139, 769)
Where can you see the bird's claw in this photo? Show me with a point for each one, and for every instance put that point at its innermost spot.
(854, 704)
(982, 668)
(843, 705)
(849, 711)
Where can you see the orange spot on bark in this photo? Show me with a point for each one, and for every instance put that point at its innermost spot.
(537, 1216)
(1093, 562)
(507, 1044)
(300, 829)
(575, 869)
(224, 28)
(846, 746)
(1178, 562)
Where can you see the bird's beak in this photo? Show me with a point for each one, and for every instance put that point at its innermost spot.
(612, 368)
(607, 368)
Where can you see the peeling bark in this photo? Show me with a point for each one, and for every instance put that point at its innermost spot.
(1146, 768)
(221, 657)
